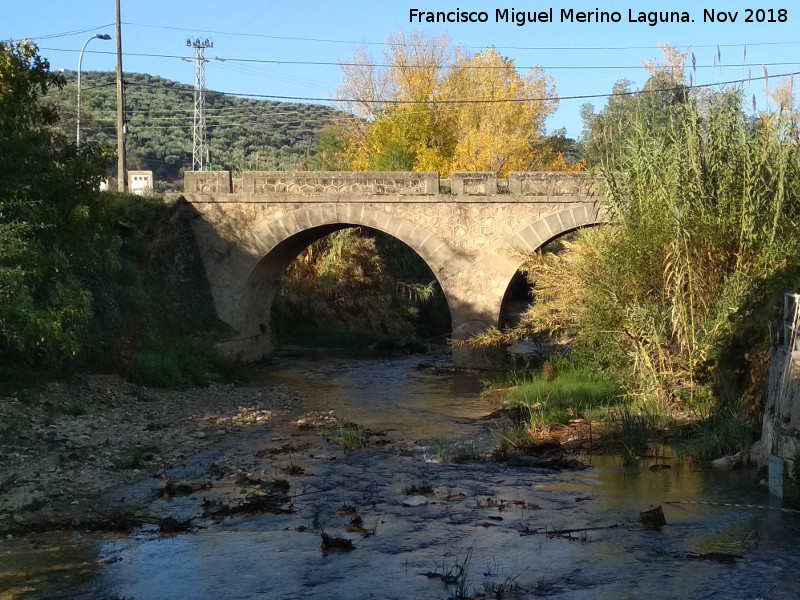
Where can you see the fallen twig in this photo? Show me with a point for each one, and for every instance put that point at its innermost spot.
(559, 532)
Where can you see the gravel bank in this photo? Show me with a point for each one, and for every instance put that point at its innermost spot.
(62, 447)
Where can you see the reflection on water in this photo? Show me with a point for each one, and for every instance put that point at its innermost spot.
(472, 524)
(416, 396)
(44, 560)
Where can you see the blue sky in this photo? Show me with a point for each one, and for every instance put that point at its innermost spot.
(262, 31)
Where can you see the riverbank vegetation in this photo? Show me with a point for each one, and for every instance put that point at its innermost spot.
(556, 397)
(677, 299)
(88, 280)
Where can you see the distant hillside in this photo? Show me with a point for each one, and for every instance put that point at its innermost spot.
(241, 133)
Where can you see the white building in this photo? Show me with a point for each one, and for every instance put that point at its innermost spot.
(140, 182)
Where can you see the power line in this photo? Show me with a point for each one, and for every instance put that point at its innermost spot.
(151, 124)
(134, 127)
(222, 112)
(430, 66)
(295, 116)
(69, 33)
(489, 67)
(254, 71)
(412, 44)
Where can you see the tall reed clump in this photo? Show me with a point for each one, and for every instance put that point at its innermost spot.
(704, 210)
(705, 206)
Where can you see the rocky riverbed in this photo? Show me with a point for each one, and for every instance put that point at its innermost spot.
(64, 446)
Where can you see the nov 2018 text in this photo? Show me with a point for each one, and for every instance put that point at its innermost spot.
(598, 16)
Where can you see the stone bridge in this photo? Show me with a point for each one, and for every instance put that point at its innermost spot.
(471, 230)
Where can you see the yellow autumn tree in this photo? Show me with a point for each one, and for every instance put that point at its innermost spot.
(395, 120)
(499, 114)
(428, 107)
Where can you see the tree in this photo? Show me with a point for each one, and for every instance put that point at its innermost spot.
(52, 222)
(497, 133)
(332, 150)
(436, 108)
(606, 133)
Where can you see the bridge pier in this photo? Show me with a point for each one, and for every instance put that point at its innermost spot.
(472, 237)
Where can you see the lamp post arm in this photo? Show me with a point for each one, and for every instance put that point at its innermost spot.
(80, 62)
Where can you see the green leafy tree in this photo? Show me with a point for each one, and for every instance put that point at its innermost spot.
(332, 150)
(605, 134)
(53, 225)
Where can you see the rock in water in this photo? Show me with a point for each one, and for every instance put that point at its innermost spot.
(653, 518)
(734, 461)
(336, 544)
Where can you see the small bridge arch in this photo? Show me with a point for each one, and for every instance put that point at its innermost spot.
(249, 231)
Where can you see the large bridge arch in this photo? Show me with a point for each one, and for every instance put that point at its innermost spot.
(279, 242)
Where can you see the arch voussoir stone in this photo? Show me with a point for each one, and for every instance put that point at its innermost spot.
(295, 222)
(585, 214)
(567, 219)
(329, 214)
(537, 234)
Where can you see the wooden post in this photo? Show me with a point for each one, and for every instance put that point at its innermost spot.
(122, 175)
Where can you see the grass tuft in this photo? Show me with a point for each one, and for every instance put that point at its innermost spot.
(352, 436)
(422, 488)
(567, 395)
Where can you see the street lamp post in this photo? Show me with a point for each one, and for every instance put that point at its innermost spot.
(99, 36)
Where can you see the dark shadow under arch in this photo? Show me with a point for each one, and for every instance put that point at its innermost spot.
(263, 283)
(519, 293)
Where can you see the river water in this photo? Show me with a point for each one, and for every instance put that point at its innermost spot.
(467, 538)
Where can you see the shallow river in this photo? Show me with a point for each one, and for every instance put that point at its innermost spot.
(468, 537)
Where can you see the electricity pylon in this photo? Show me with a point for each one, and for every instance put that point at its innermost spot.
(199, 129)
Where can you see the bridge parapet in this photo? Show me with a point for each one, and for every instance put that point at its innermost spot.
(338, 183)
(473, 184)
(426, 186)
(207, 182)
(553, 184)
